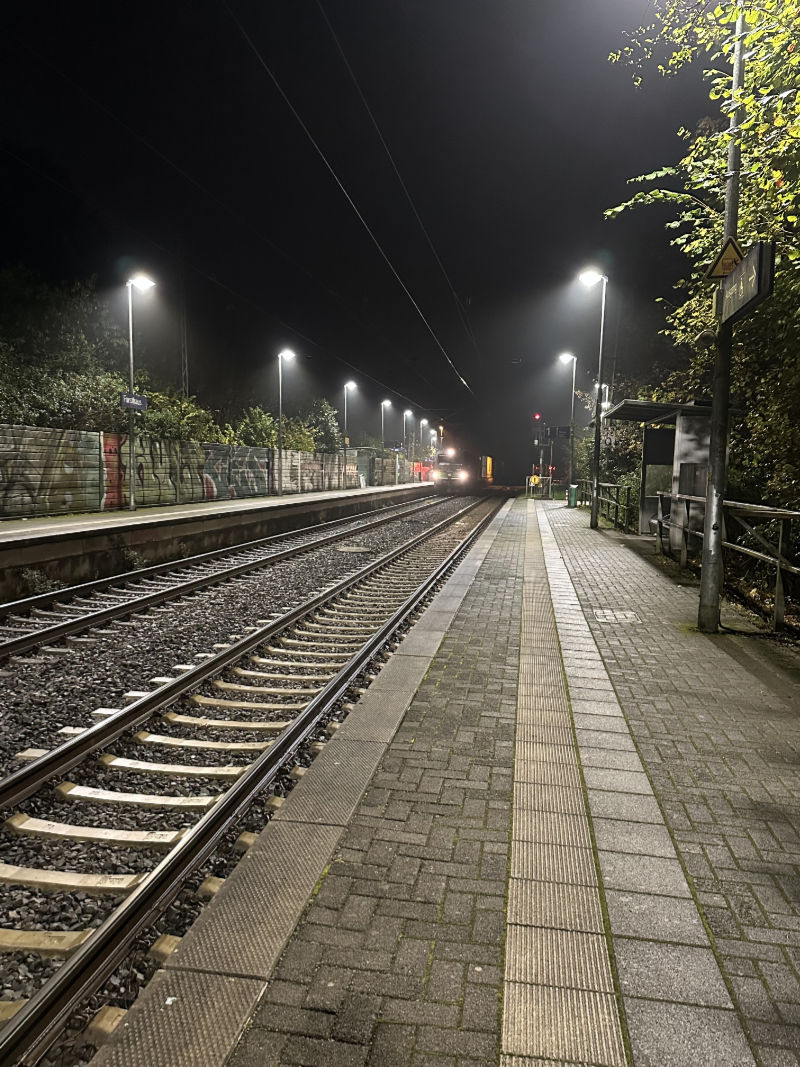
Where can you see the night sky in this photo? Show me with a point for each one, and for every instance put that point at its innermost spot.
(204, 143)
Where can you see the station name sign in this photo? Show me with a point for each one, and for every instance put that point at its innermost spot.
(133, 401)
(749, 283)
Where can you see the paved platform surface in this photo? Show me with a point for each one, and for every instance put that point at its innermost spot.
(561, 828)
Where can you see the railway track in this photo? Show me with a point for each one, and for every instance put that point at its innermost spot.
(189, 758)
(52, 617)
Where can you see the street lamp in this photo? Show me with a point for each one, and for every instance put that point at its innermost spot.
(567, 357)
(407, 414)
(286, 354)
(347, 387)
(142, 283)
(384, 405)
(590, 278)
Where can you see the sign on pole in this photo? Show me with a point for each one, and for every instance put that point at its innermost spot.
(748, 283)
(133, 401)
(728, 259)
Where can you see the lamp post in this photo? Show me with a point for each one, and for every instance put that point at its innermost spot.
(347, 387)
(590, 278)
(567, 357)
(711, 572)
(384, 405)
(286, 354)
(407, 414)
(142, 283)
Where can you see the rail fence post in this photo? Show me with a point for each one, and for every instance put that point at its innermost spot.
(779, 609)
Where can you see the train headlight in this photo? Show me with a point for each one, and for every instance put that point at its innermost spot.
(463, 475)
(434, 475)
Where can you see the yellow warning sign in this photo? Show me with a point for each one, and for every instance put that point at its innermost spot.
(730, 256)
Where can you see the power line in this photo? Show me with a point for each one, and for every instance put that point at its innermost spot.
(251, 44)
(459, 306)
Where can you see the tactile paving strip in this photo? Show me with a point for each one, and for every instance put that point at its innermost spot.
(334, 786)
(257, 911)
(569, 959)
(562, 1024)
(163, 1027)
(562, 907)
(559, 1003)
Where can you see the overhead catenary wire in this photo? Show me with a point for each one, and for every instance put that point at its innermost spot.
(329, 167)
(459, 305)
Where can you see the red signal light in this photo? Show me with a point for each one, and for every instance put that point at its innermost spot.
(536, 416)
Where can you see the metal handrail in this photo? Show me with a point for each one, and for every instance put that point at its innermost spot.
(736, 510)
(610, 501)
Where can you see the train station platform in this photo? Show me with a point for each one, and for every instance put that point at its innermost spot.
(75, 548)
(561, 827)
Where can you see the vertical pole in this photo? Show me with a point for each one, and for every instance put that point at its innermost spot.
(280, 425)
(711, 574)
(184, 341)
(344, 443)
(598, 412)
(572, 422)
(779, 608)
(131, 449)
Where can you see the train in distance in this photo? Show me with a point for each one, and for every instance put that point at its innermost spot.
(455, 470)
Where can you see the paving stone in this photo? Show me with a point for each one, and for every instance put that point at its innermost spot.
(675, 1035)
(676, 973)
(645, 839)
(652, 916)
(650, 874)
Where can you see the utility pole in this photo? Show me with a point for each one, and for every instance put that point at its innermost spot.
(712, 572)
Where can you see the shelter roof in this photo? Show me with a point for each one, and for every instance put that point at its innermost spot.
(653, 411)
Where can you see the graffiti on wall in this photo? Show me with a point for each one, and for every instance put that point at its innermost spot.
(45, 471)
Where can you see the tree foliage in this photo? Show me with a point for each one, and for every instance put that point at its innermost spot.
(321, 422)
(765, 439)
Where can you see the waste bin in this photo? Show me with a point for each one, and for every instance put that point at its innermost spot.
(572, 496)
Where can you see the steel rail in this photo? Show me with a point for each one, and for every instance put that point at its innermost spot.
(99, 584)
(21, 783)
(35, 1026)
(49, 634)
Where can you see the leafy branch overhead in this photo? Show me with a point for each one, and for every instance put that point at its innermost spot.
(765, 446)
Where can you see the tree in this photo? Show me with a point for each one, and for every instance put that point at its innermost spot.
(175, 417)
(321, 422)
(65, 328)
(765, 433)
(296, 435)
(257, 427)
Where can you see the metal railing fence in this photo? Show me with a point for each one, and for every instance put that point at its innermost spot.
(738, 516)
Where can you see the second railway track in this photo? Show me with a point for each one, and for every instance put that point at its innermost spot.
(51, 617)
(188, 759)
